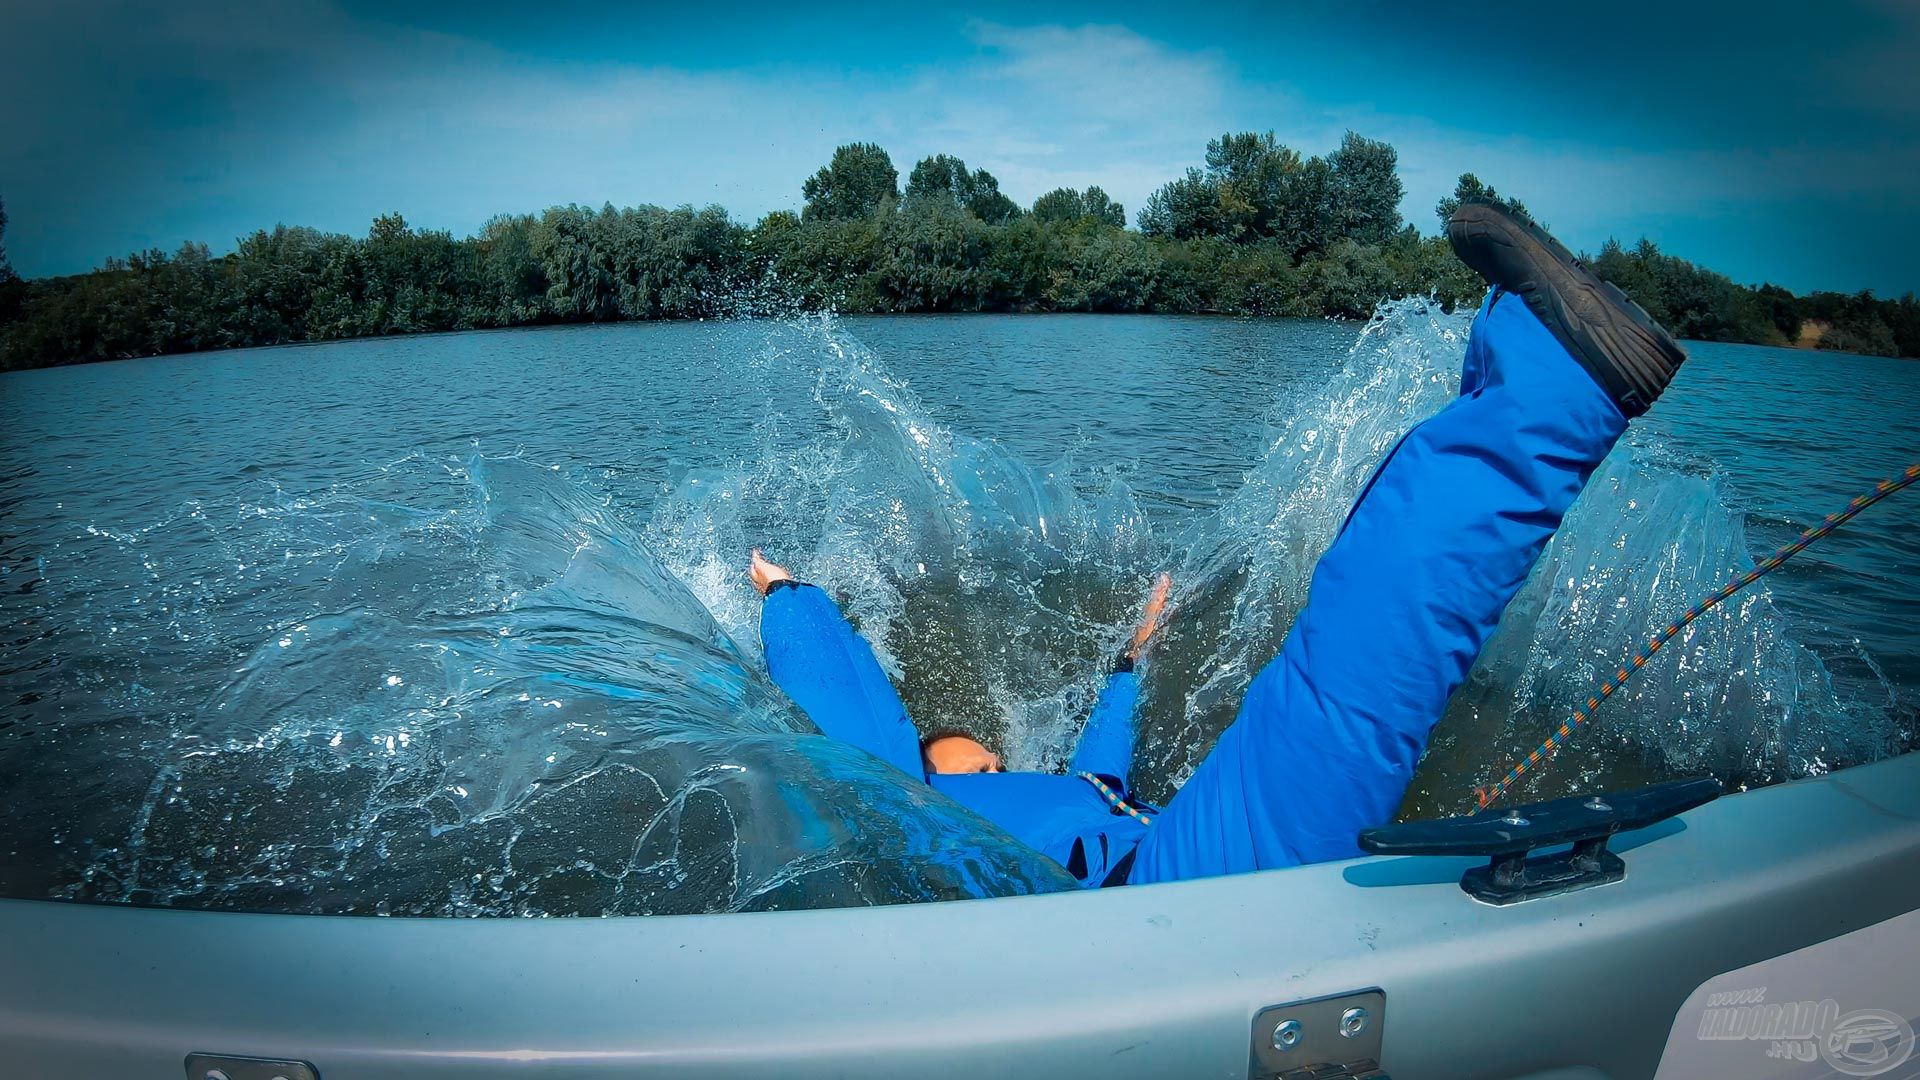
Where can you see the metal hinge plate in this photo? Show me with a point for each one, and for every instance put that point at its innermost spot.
(1320, 1038)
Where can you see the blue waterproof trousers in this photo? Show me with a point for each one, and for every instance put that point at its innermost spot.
(1438, 543)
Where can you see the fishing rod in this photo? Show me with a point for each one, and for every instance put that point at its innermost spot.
(1581, 717)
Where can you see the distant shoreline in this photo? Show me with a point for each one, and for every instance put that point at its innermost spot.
(1260, 231)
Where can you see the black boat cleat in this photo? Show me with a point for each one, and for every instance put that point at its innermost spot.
(1630, 355)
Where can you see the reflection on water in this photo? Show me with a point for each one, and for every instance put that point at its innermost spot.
(482, 682)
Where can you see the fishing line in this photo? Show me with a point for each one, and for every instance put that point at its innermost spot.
(1488, 795)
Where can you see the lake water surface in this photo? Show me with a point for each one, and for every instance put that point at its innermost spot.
(457, 624)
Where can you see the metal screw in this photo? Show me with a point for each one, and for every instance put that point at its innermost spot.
(1513, 818)
(1353, 1022)
(1287, 1035)
(1597, 803)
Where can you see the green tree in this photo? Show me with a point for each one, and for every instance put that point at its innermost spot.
(1259, 230)
(945, 177)
(1633, 274)
(775, 225)
(1059, 206)
(1184, 209)
(1470, 186)
(1100, 207)
(13, 291)
(580, 282)
(274, 274)
(1782, 309)
(934, 259)
(1065, 206)
(1191, 275)
(512, 287)
(6, 269)
(1022, 262)
(339, 290)
(1349, 279)
(986, 201)
(1861, 327)
(1250, 173)
(823, 264)
(1309, 218)
(1261, 279)
(414, 281)
(940, 176)
(1903, 317)
(858, 180)
(1110, 271)
(1367, 189)
(1691, 301)
(1426, 266)
(1255, 189)
(673, 264)
(1243, 194)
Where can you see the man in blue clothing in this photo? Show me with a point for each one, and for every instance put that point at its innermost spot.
(1330, 731)
(1084, 820)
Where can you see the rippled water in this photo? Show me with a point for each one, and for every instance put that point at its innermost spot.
(456, 625)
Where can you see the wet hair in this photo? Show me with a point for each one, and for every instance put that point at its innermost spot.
(937, 734)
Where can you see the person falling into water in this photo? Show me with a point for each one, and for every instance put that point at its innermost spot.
(1327, 737)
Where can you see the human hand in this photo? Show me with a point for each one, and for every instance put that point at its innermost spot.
(1150, 619)
(765, 573)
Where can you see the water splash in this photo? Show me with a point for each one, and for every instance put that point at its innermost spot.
(508, 706)
(1244, 575)
(994, 590)
(1740, 698)
(990, 589)
(481, 687)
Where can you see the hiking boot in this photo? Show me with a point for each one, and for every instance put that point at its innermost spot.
(1629, 354)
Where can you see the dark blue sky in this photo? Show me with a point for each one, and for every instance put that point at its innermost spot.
(1771, 141)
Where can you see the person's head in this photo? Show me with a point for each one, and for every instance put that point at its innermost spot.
(957, 752)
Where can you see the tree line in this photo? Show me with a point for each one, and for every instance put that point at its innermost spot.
(1257, 229)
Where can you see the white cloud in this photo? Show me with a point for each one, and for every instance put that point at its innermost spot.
(217, 119)
(1050, 106)
(315, 116)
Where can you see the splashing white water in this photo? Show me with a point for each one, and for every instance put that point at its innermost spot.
(509, 707)
(508, 699)
(990, 588)
(993, 590)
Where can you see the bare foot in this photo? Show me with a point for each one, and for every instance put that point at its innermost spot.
(1150, 618)
(764, 573)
